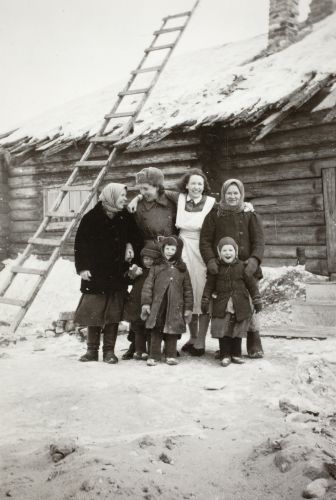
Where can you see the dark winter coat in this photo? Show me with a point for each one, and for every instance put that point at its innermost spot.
(156, 218)
(174, 280)
(132, 308)
(244, 227)
(231, 281)
(100, 246)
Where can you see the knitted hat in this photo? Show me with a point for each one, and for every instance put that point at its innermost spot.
(172, 240)
(150, 175)
(227, 241)
(151, 249)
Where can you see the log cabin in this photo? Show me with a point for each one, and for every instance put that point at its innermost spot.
(262, 110)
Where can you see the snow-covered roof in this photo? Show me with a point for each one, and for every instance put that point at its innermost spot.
(232, 84)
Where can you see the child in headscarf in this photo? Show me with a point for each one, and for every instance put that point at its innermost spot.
(167, 301)
(230, 291)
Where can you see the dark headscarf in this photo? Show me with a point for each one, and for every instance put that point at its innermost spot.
(223, 206)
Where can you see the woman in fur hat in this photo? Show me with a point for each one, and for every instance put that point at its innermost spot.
(167, 301)
(230, 291)
(106, 240)
(230, 219)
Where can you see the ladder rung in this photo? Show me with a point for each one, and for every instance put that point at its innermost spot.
(88, 163)
(168, 30)
(160, 47)
(27, 270)
(146, 70)
(68, 215)
(111, 139)
(13, 302)
(135, 91)
(44, 241)
(120, 115)
(74, 188)
(57, 226)
(173, 16)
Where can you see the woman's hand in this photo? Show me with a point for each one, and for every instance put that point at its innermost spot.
(251, 267)
(145, 312)
(248, 207)
(85, 275)
(187, 316)
(129, 253)
(133, 204)
(212, 266)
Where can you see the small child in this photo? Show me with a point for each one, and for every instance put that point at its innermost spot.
(167, 301)
(132, 311)
(230, 291)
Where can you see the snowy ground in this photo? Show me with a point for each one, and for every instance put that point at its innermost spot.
(259, 431)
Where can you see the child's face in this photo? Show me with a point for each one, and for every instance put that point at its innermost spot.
(147, 261)
(169, 251)
(228, 253)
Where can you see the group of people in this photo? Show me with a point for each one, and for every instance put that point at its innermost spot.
(188, 259)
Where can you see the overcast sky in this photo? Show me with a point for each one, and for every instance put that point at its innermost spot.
(52, 51)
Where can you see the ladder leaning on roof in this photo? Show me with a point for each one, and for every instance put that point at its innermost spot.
(85, 163)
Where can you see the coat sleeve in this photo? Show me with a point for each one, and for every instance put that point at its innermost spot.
(257, 238)
(252, 286)
(207, 237)
(81, 249)
(209, 286)
(188, 296)
(134, 236)
(148, 287)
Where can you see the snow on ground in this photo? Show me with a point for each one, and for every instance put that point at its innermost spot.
(262, 430)
(203, 86)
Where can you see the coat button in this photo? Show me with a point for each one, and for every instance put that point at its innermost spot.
(171, 279)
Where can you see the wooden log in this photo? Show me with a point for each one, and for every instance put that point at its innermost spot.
(289, 252)
(299, 236)
(26, 215)
(279, 188)
(24, 193)
(315, 266)
(144, 160)
(26, 203)
(23, 226)
(329, 194)
(170, 143)
(281, 204)
(293, 219)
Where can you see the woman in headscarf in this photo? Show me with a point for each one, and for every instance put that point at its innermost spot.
(106, 241)
(228, 219)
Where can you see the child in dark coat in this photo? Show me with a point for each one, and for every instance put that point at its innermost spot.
(149, 255)
(167, 301)
(231, 291)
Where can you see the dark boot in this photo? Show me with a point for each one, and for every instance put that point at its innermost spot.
(110, 336)
(253, 345)
(130, 352)
(93, 342)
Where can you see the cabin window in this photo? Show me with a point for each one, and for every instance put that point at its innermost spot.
(70, 204)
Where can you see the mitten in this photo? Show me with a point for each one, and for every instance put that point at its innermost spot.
(212, 266)
(257, 306)
(205, 305)
(187, 316)
(145, 312)
(252, 266)
(248, 207)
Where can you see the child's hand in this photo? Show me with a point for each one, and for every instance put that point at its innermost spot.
(205, 305)
(257, 306)
(187, 316)
(145, 312)
(134, 271)
(85, 275)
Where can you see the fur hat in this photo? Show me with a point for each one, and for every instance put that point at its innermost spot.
(172, 240)
(227, 241)
(150, 175)
(151, 249)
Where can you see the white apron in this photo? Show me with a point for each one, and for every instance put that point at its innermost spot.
(189, 224)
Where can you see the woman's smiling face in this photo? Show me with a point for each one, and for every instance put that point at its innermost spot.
(232, 195)
(195, 186)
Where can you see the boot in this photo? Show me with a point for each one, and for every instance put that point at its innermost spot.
(199, 344)
(129, 353)
(110, 336)
(93, 342)
(253, 345)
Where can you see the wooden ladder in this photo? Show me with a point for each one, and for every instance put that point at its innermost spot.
(55, 245)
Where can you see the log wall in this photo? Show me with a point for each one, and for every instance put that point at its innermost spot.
(27, 180)
(4, 210)
(283, 177)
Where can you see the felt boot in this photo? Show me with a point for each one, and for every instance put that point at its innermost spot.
(110, 336)
(93, 342)
(253, 345)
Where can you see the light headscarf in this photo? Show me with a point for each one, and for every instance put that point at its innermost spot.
(223, 206)
(109, 197)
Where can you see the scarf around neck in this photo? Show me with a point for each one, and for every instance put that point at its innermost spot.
(223, 207)
(109, 197)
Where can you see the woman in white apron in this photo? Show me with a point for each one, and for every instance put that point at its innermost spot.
(193, 204)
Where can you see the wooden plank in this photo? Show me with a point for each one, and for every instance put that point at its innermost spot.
(293, 332)
(29, 192)
(24, 226)
(12, 302)
(289, 251)
(27, 270)
(315, 266)
(279, 188)
(329, 194)
(26, 215)
(299, 236)
(149, 69)
(293, 219)
(278, 204)
(160, 47)
(48, 242)
(26, 203)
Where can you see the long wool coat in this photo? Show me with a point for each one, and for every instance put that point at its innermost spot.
(231, 281)
(100, 246)
(132, 309)
(244, 227)
(174, 280)
(156, 218)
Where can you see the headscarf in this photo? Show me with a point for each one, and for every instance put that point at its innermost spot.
(109, 197)
(223, 206)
